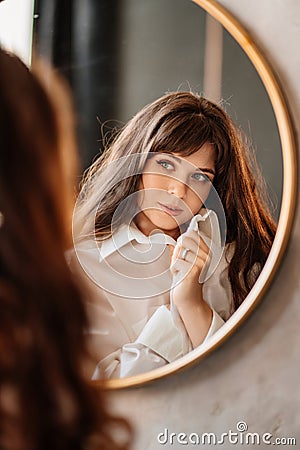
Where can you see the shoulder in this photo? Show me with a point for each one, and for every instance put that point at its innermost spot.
(87, 248)
(84, 257)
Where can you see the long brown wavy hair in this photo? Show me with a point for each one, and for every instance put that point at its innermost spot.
(45, 401)
(181, 123)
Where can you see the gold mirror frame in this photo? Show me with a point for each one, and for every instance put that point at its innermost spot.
(289, 194)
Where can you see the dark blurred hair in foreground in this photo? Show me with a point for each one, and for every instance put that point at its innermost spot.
(45, 402)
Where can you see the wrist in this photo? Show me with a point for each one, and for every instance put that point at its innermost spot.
(199, 306)
(189, 297)
(197, 320)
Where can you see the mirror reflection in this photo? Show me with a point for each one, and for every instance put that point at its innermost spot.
(178, 194)
(142, 238)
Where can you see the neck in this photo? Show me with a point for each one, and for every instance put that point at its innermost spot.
(146, 226)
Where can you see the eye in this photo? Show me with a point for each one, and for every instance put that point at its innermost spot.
(165, 164)
(199, 176)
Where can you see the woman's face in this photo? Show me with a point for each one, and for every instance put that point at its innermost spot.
(173, 189)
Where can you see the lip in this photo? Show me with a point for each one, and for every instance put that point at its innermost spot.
(170, 209)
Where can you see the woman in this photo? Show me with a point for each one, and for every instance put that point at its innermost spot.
(176, 169)
(45, 402)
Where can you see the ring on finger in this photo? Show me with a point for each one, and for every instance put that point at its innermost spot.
(184, 253)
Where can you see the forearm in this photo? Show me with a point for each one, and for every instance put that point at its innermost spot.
(197, 319)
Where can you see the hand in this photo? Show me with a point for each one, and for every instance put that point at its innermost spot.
(190, 260)
(187, 294)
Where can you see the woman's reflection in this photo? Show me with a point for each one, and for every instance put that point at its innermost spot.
(172, 229)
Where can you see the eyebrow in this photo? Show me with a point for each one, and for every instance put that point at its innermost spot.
(203, 169)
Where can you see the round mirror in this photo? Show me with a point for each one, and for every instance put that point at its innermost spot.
(120, 56)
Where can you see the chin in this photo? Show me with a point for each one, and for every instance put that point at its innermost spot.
(164, 222)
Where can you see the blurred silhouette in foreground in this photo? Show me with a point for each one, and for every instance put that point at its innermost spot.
(45, 401)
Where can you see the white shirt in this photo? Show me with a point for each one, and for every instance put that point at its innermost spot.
(132, 330)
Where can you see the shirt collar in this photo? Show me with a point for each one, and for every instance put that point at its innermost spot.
(128, 233)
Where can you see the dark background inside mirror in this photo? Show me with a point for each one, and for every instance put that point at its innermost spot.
(120, 55)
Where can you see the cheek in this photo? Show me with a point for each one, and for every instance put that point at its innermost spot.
(195, 201)
(148, 193)
(153, 181)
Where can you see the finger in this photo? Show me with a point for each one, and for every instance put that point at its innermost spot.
(203, 263)
(190, 252)
(171, 248)
(198, 259)
(176, 253)
(191, 239)
(189, 243)
(194, 235)
(184, 244)
(181, 266)
(198, 265)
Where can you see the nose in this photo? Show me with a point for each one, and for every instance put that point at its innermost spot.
(177, 187)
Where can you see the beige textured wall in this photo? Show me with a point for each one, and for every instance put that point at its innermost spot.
(254, 376)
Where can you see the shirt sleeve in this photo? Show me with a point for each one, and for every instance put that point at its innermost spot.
(159, 343)
(216, 324)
